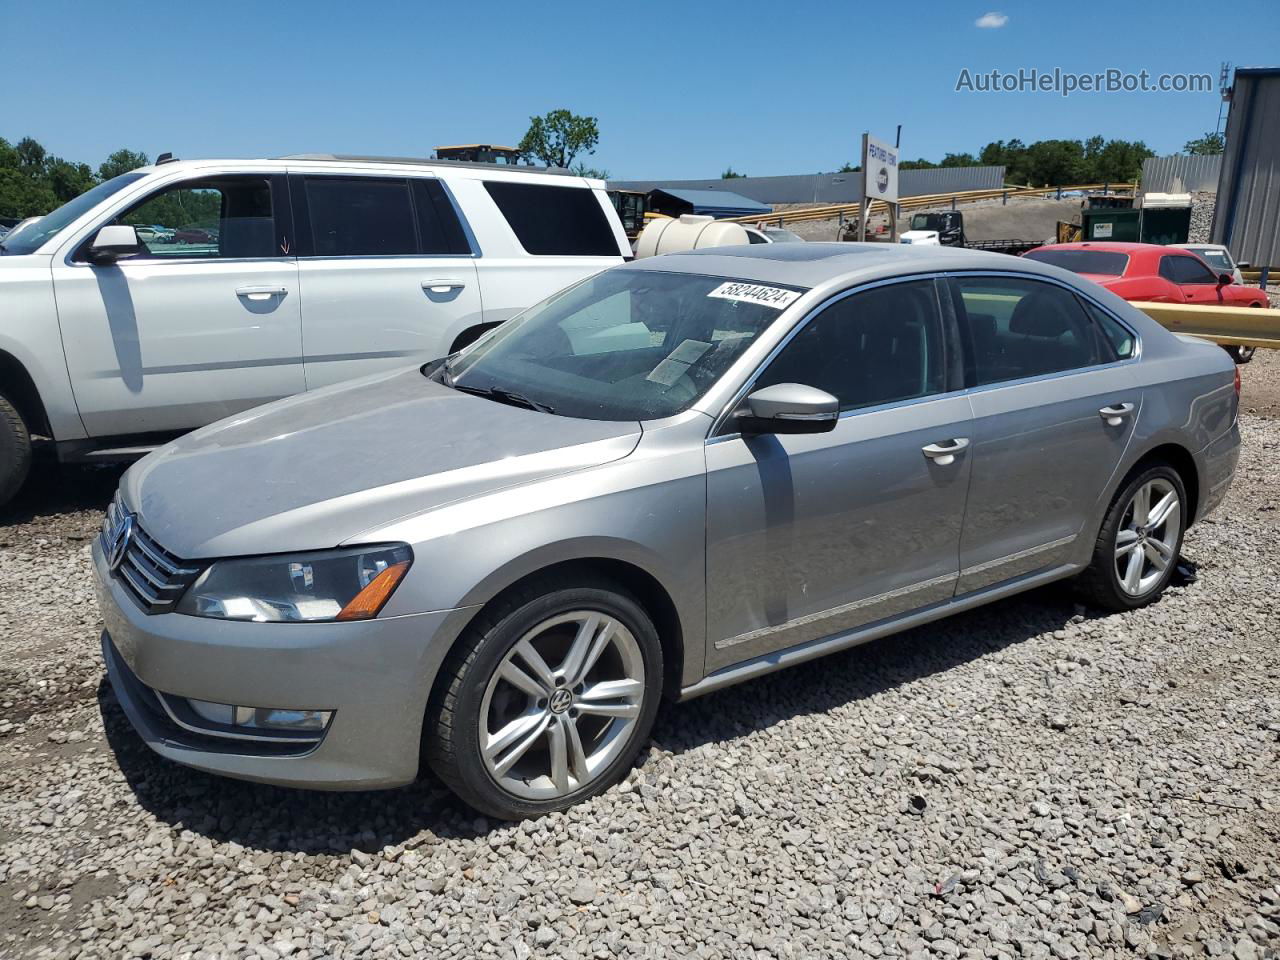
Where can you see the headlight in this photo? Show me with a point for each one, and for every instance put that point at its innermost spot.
(349, 584)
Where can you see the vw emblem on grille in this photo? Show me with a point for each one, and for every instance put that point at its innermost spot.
(119, 543)
(561, 700)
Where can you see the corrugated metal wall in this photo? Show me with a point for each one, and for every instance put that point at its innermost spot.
(1247, 215)
(1180, 173)
(832, 187)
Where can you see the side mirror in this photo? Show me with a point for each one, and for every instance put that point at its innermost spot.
(789, 408)
(1225, 278)
(114, 243)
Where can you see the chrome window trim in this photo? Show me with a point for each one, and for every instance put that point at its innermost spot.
(714, 436)
(738, 395)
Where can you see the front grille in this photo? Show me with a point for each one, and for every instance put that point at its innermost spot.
(153, 576)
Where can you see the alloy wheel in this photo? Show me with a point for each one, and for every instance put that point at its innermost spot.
(561, 705)
(1147, 541)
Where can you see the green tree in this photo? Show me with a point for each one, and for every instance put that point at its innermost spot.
(122, 161)
(68, 180)
(959, 160)
(920, 163)
(557, 137)
(1208, 144)
(582, 170)
(849, 168)
(21, 196)
(731, 174)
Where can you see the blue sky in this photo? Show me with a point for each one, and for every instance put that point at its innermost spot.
(680, 89)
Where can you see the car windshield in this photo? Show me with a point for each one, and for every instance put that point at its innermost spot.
(625, 344)
(1216, 258)
(34, 235)
(1101, 262)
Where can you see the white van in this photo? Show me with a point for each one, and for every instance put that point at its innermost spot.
(178, 294)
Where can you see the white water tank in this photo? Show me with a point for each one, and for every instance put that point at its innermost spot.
(688, 232)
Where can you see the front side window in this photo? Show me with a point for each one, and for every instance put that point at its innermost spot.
(1179, 269)
(1018, 327)
(622, 345)
(879, 346)
(554, 221)
(219, 218)
(34, 235)
(360, 217)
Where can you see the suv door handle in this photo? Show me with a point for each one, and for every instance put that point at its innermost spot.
(1114, 415)
(261, 292)
(945, 453)
(442, 286)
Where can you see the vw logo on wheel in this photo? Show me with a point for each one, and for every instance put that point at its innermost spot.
(561, 700)
(119, 545)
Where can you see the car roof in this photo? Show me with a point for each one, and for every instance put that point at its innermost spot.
(361, 162)
(818, 264)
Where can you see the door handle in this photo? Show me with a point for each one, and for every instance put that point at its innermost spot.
(1114, 415)
(945, 453)
(265, 292)
(442, 286)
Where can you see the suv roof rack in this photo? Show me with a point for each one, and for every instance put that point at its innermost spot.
(470, 164)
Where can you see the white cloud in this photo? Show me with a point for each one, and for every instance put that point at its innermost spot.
(991, 21)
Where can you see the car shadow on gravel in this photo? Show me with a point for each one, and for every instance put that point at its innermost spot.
(52, 489)
(260, 817)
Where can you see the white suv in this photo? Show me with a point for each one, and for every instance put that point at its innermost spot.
(182, 293)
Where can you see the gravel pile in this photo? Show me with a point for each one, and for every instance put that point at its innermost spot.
(1202, 203)
(1030, 780)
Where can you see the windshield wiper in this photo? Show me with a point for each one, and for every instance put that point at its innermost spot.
(506, 396)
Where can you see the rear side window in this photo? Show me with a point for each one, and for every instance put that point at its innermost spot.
(1117, 334)
(1025, 328)
(555, 221)
(360, 217)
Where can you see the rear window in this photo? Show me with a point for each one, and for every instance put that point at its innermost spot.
(555, 221)
(1102, 262)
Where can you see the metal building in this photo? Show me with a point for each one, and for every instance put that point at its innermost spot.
(1181, 173)
(715, 203)
(1246, 217)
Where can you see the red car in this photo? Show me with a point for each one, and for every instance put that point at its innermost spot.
(1148, 271)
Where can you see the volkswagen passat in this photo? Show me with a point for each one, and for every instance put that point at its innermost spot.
(679, 474)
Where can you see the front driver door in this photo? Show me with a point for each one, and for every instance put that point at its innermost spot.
(202, 324)
(817, 534)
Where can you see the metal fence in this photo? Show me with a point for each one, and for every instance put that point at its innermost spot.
(832, 187)
(1246, 216)
(1181, 173)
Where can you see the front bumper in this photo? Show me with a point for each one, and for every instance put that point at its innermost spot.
(375, 675)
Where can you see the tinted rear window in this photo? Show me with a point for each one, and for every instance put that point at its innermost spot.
(1084, 261)
(360, 217)
(555, 221)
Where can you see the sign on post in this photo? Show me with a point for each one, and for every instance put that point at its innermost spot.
(879, 182)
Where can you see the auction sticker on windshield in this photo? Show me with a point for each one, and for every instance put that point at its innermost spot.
(775, 297)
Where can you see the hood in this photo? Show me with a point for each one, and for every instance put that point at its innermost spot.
(318, 469)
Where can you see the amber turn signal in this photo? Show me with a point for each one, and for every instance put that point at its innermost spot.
(366, 604)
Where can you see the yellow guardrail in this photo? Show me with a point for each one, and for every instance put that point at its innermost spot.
(1253, 276)
(1229, 326)
(828, 211)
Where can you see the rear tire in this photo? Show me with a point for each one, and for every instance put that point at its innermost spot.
(1241, 355)
(546, 698)
(1137, 548)
(15, 451)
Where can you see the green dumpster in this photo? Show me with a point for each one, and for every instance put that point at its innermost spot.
(1110, 224)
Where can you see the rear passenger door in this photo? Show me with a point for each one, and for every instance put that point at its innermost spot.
(386, 271)
(1054, 404)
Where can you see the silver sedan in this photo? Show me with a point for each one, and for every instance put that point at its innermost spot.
(677, 475)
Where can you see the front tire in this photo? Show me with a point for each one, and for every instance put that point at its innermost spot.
(546, 699)
(1137, 548)
(15, 451)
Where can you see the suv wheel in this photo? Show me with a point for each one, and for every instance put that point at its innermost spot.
(15, 451)
(1138, 546)
(545, 700)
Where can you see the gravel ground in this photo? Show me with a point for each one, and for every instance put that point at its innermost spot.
(1029, 780)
